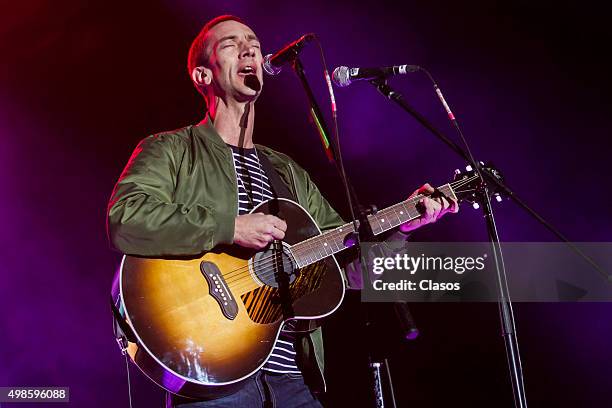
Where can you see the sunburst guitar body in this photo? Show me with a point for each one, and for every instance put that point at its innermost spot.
(205, 324)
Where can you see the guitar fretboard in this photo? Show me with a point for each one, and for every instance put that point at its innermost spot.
(331, 242)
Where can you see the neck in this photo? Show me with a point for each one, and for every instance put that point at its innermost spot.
(233, 121)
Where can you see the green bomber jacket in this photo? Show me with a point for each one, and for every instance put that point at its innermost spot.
(178, 196)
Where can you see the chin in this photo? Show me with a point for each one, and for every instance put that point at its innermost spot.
(247, 95)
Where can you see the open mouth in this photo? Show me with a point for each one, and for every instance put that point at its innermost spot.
(247, 70)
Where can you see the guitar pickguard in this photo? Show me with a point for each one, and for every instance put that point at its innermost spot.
(262, 304)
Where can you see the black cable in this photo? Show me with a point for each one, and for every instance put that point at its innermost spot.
(127, 370)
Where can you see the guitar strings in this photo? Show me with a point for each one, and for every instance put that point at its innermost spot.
(240, 283)
(243, 272)
(240, 273)
(237, 274)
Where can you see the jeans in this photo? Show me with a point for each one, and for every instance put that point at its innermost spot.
(265, 390)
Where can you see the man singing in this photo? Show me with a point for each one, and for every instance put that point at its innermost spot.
(186, 191)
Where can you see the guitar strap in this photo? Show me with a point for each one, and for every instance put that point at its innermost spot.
(120, 327)
(279, 188)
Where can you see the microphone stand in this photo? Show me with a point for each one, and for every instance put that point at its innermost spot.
(486, 175)
(490, 184)
(505, 304)
(361, 225)
(360, 222)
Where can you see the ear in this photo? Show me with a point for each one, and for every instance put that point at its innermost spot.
(201, 76)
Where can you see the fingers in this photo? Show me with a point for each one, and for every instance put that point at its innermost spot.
(277, 223)
(431, 210)
(426, 189)
(258, 230)
(274, 228)
(444, 204)
(438, 209)
(454, 208)
(434, 208)
(273, 232)
(448, 205)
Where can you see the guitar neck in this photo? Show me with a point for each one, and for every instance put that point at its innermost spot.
(333, 241)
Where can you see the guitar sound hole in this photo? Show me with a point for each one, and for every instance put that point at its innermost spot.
(263, 265)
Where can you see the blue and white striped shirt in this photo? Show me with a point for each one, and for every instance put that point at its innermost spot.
(253, 188)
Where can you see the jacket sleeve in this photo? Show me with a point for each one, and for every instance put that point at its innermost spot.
(143, 218)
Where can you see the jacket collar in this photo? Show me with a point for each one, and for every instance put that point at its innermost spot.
(208, 135)
(207, 132)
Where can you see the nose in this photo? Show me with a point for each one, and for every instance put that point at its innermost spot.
(247, 51)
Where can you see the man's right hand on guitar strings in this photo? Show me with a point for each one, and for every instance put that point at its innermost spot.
(258, 230)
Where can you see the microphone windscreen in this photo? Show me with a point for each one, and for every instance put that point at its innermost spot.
(340, 76)
(269, 68)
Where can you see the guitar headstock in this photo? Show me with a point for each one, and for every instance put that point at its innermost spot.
(468, 184)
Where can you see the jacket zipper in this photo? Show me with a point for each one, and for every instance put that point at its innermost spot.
(235, 181)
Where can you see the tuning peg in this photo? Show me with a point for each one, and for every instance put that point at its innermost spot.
(475, 206)
(468, 168)
(457, 172)
(498, 198)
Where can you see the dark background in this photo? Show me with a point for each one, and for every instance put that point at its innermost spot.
(82, 82)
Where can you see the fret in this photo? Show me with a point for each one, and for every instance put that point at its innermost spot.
(376, 228)
(295, 251)
(392, 215)
(384, 223)
(396, 213)
(382, 220)
(327, 247)
(321, 246)
(413, 212)
(311, 249)
(326, 244)
(405, 212)
(331, 242)
(308, 255)
(341, 232)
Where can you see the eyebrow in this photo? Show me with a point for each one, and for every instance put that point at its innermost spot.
(250, 37)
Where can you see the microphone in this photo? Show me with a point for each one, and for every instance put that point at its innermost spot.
(344, 76)
(273, 64)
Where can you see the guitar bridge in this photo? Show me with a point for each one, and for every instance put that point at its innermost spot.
(219, 290)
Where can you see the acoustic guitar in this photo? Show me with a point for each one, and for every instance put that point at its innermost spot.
(203, 325)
